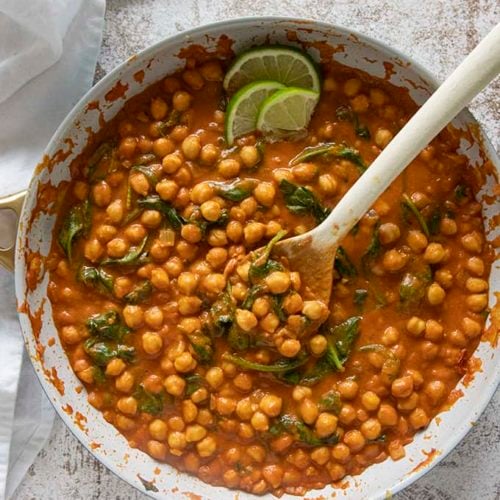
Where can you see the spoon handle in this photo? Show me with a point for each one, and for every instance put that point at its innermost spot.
(480, 67)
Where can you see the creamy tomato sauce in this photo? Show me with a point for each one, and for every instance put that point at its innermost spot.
(207, 354)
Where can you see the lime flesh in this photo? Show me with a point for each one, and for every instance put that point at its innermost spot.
(286, 65)
(243, 108)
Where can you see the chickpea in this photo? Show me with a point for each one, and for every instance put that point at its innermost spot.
(201, 193)
(472, 242)
(234, 231)
(106, 232)
(327, 184)
(390, 336)
(370, 400)
(167, 189)
(269, 322)
(318, 344)
(371, 429)
(433, 330)
(101, 193)
(158, 430)
(448, 226)
(278, 282)
(209, 154)
(70, 335)
(127, 405)
(435, 294)
(254, 232)
(402, 387)
(475, 265)
(135, 233)
(115, 367)
(389, 233)
(157, 450)
(228, 168)
(471, 328)
(174, 385)
(249, 156)
(212, 71)
(320, 455)
(139, 183)
(206, 447)
(315, 310)
(216, 257)
(434, 253)
(152, 343)
(191, 233)
(435, 390)
(290, 348)
(133, 316)
(191, 147)
(444, 277)
(193, 78)
(214, 283)
(308, 410)
(415, 326)
(383, 137)
(305, 172)
(354, 440)
(176, 424)
(158, 108)
(127, 147)
(160, 279)
(174, 267)
(186, 251)
(476, 285)
(264, 193)
(125, 382)
(195, 433)
(348, 389)
(417, 241)
(387, 415)
(246, 320)
(117, 247)
(211, 210)
(185, 362)
(477, 302)
(181, 101)
(215, 377)
(151, 218)
(271, 405)
(177, 442)
(260, 421)
(179, 133)
(394, 260)
(171, 163)
(187, 282)
(377, 97)
(217, 238)
(418, 418)
(329, 84)
(352, 87)
(163, 146)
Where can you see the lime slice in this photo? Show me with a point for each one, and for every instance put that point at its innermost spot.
(243, 108)
(287, 112)
(283, 64)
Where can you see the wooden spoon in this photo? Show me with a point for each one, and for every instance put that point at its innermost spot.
(312, 254)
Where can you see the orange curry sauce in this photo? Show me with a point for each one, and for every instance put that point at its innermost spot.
(157, 367)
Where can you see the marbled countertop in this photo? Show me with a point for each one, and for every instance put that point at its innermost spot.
(436, 33)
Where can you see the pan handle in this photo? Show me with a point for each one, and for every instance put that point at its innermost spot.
(15, 203)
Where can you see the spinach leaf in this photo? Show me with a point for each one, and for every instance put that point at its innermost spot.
(221, 315)
(434, 221)
(392, 363)
(145, 159)
(193, 383)
(373, 250)
(320, 369)
(301, 432)
(345, 113)
(277, 306)
(236, 191)
(107, 326)
(140, 293)
(96, 277)
(74, 225)
(301, 201)
(149, 402)
(148, 172)
(331, 149)
(173, 119)
(102, 352)
(154, 202)
(409, 207)
(360, 296)
(102, 151)
(263, 265)
(461, 192)
(281, 365)
(340, 339)
(238, 339)
(413, 286)
(344, 265)
(203, 347)
(133, 257)
(330, 401)
(254, 292)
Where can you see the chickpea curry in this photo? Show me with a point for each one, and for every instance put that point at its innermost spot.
(202, 348)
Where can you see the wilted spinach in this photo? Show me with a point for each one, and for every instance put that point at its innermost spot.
(345, 113)
(107, 326)
(133, 257)
(154, 202)
(344, 265)
(96, 277)
(302, 201)
(140, 293)
(236, 191)
(279, 366)
(74, 225)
